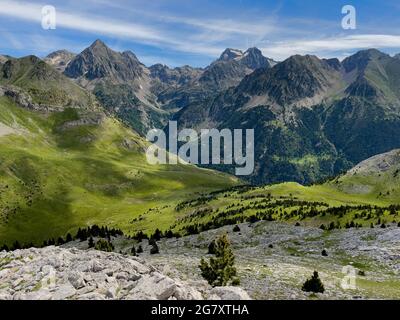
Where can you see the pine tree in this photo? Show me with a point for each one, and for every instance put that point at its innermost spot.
(313, 284)
(154, 249)
(211, 247)
(91, 242)
(16, 246)
(140, 249)
(60, 241)
(133, 251)
(69, 238)
(220, 270)
(157, 235)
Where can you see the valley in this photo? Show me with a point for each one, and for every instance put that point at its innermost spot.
(58, 175)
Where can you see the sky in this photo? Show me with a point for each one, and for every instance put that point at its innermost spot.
(195, 32)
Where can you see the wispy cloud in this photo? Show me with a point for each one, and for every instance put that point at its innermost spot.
(99, 25)
(331, 45)
(176, 31)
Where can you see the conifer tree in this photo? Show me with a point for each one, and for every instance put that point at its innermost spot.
(220, 271)
(69, 238)
(313, 284)
(91, 242)
(154, 249)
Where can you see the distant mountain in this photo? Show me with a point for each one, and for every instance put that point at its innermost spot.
(60, 59)
(145, 98)
(99, 62)
(167, 83)
(3, 59)
(121, 83)
(313, 118)
(252, 58)
(174, 77)
(42, 86)
(232, 66)
(227, 71)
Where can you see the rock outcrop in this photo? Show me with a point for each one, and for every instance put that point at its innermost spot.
(55, 273)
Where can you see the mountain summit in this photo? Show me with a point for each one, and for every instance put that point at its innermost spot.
(100, 62)
(60, 59)
(231, 54)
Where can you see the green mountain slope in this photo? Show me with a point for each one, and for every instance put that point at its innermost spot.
(64, 163)
(47, 88)
(367, 194)
(58, 175)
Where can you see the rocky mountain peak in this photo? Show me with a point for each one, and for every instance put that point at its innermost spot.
(98, 44)
(254, 59)
(100, 62)
(293, 80)
(4, 59)
(362, 59)
(62, 52)
(231, 54)
(60, 59)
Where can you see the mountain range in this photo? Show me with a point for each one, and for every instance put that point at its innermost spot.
(313, 118)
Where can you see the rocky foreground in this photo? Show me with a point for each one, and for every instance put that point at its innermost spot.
(274, 259)
(55, 273)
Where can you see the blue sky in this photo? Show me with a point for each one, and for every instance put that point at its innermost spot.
(195, 32)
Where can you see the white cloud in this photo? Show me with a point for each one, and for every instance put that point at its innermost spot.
(204, 36)
(331, 45)
(104, 26)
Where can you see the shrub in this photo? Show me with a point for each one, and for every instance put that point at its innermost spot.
(236, 228)
(324, 253)
(313, 284)
(140, 249)
(104, 245)
(133, 251)
(211, 247)
(220, 270)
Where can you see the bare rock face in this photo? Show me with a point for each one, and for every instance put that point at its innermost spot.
(60, 59)
(378, 164)
(54, 273)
